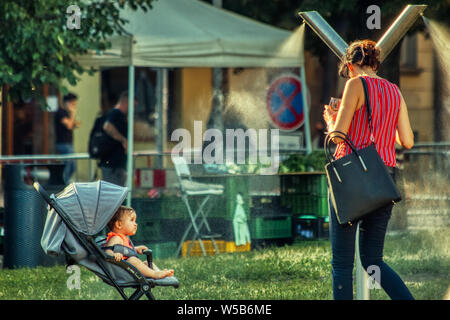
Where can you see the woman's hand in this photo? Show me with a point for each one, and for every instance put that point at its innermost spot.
(329, 115)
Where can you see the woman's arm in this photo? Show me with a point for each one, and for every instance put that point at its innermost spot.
(404, 135)
(351, 99)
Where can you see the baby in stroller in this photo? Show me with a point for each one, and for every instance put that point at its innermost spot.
(122, 225)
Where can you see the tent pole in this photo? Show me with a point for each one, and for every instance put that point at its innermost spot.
(165, 108)
(305, 110)
(130, 137)
(162, 106)
(159, 108)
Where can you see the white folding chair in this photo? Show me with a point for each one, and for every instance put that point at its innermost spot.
(190, 188)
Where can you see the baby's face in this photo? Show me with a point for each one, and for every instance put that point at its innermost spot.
(128, 223)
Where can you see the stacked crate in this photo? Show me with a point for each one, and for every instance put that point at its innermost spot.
(271, 227)
(161, 223)
(270, 221)
(148, 218)
(163, 250)
(220, 217)
(306, 194)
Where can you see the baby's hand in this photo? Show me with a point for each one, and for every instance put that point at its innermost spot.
(140, 249)
(118, 256)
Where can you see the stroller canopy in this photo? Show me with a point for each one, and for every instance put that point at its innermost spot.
(89, 206)
(80, 212)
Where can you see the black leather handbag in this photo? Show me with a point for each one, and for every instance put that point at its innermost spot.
(359, 182)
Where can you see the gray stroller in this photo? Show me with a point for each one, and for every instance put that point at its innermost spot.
(75, 217)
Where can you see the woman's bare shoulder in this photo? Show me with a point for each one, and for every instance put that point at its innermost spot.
(354, 82)
(354, 86)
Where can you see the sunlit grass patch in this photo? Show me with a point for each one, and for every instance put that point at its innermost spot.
(301, 271)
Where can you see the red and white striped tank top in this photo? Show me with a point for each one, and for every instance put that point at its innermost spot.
(385, 102)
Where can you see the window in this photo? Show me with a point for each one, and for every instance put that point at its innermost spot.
(408, 54)
(115, 80)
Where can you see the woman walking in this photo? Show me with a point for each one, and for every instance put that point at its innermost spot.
(390, 124)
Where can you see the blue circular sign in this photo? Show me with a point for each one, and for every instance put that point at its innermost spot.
(285, 103)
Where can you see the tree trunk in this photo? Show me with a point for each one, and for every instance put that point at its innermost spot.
(218, 101)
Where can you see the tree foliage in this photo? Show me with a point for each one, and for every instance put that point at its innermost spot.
(37, 47)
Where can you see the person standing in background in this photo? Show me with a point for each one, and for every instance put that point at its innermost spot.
(114, 165)
(65, 123)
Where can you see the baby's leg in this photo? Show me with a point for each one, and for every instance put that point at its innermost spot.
(145, 270)
(154, 266)
(169, 272)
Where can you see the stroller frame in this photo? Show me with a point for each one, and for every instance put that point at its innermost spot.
(142, 284)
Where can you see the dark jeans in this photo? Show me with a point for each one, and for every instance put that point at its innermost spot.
(117, 176)
(372, 231)
(71, 165)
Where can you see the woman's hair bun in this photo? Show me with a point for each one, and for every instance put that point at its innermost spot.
(362, 53)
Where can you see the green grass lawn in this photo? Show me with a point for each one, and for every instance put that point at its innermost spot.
(297, 272)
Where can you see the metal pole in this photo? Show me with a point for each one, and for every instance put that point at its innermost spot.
(398, 29)
(362, 290)
(165, 108)
(305, 111)
(91, 170)
(162, 87)
(159, 111)
(130, 137)
(325, 32)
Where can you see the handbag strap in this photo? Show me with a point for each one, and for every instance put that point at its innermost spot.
(341, 135)
(369, 109)
(344, 136)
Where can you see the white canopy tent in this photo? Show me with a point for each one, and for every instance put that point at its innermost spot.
(191, 33)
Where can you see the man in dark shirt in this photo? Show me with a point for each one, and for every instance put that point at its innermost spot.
(114, 166)
(65, 123)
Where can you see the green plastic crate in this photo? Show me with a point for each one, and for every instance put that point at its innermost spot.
(167, 207)
(223, 206)
(305, 193)
(146, 207)
(314, 184)
(173, 207)
(309, 204)
(148, 230)
(322, 185)
(276, 227)
(163, 250)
